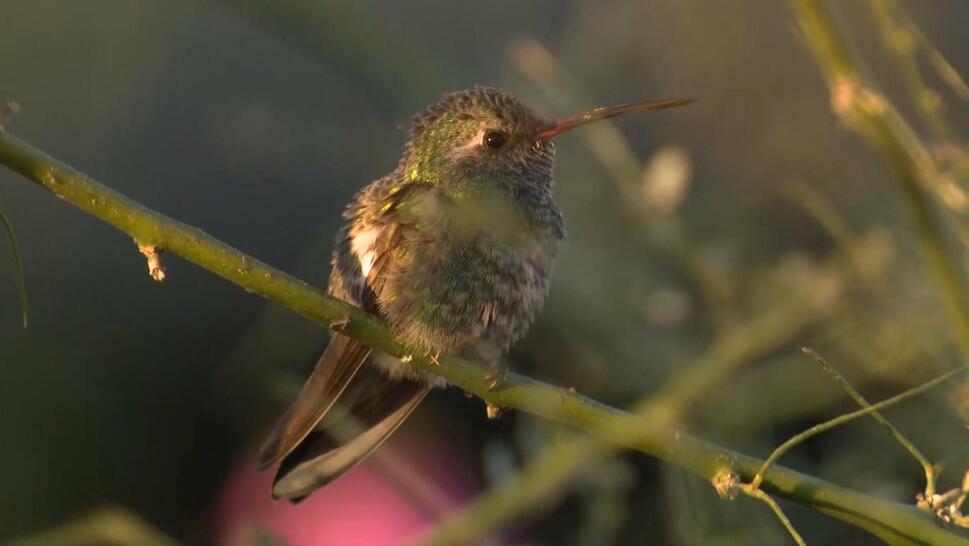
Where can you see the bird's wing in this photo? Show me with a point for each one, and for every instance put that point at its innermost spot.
(359, 260)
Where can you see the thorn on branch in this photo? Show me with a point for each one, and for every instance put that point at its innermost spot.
(493, 411)
(152, 254)
(11, 109)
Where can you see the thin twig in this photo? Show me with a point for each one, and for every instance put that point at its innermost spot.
(767, 499)
(963, 494)
(19, 264)
(899, 38)
(842, 419)
(897, 434)
(942, 66)
(948, 458)
(822, 211)
(727, 484)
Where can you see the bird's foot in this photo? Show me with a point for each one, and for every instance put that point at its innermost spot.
(497, 373)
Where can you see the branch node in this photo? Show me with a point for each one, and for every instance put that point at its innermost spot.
(948, 506)
(726, 482)
(152, 254)
(844, 94)
(339, 324)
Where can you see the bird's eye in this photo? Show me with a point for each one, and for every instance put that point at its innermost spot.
(494, 139)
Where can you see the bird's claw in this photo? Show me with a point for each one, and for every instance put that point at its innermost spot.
(497, 373)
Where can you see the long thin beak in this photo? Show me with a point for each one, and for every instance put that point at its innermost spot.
(560, 126)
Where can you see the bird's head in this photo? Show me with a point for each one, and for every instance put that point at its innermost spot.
(485, 135)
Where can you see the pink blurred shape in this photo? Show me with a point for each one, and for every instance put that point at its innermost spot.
(398, 493)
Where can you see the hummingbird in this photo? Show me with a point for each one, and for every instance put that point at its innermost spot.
(454, 249)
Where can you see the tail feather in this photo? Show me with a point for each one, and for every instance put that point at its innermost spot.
(364, 417)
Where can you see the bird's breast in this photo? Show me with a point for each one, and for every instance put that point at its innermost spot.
(449, 288)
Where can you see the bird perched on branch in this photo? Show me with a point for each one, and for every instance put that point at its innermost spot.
(454, 250)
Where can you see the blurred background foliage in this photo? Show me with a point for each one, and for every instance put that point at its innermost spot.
(258, 120)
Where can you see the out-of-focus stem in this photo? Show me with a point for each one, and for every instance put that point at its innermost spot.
(106, 526)
(881, 125)
(901, 40)
(613, 151)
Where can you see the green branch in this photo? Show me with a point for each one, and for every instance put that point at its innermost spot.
(897, 523)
